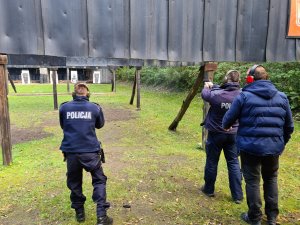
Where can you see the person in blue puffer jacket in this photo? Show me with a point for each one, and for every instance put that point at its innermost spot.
(81, 148)
(265, 127)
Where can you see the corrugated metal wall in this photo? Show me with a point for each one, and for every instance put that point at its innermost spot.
(185, 30)
(252, 30)
(120, 32)
(21, 27)
(285, 49)
(65, 27)
(108, 28)
(220, 24)
(149, 29)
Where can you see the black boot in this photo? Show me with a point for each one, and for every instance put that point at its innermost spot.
(244, 216)
(206, 193)
(80, 215)
(272, 222)
(104, 220)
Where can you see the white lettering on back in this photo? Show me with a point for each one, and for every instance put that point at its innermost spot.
(225, 105)
(79, 115)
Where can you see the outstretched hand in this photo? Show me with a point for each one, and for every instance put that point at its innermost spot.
(208, 84)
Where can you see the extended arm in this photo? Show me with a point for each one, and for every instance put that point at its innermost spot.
(61, 119)
(100, 119)
(206, 92)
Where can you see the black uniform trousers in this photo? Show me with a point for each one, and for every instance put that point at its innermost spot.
(217, 141)
(253, 168)
(76, 162)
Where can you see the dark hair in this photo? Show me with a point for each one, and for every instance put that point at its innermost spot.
(81, 89)
(260, 73)
(232, 76)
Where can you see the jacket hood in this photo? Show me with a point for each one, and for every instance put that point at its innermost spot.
(262, 88)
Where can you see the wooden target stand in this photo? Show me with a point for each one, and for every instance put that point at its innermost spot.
(5, 133)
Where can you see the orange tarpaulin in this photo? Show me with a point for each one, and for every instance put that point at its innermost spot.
(294, 20)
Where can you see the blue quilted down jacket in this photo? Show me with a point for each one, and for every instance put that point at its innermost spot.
(265, 119)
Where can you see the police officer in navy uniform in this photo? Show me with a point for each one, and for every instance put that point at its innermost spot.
(81, 148)
(220, 99)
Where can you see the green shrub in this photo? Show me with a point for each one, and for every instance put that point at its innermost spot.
(285, 76)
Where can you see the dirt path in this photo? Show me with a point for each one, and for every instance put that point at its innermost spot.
(20, 135)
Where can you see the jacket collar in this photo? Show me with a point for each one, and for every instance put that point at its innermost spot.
(231, 86)
(80, 98)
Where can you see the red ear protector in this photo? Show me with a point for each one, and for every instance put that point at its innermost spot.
(250, 74)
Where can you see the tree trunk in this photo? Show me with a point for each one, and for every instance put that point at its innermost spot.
(12, 83)
(186, 103)
(113, 81)
(133, 90)
(138, 88)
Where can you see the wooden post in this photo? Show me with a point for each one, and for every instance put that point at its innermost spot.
(188, 100)
(68, 80)
(133, 89)
(209, 70)
(54, 88)
(113, 80)
(138, 88)
(4, 114)
(12, 83)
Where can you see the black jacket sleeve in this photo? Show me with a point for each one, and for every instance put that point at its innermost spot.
(100, 119)
(288, 125)
(61, 119)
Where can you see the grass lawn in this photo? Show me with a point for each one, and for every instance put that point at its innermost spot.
(156, 171)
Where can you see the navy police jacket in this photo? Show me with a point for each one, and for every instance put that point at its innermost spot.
(78, 119)
(220, 99)
(265, 119)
